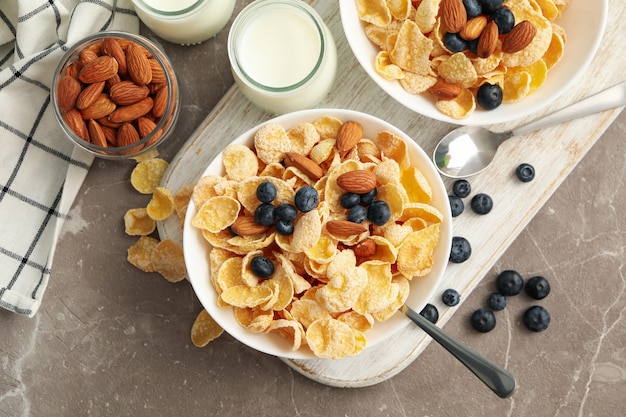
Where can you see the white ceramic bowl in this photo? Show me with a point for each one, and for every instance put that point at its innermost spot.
(196, 248)
(584, 23)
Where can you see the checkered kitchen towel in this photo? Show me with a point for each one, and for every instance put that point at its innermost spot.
(40, 171)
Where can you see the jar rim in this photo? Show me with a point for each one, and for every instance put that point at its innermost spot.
(241, 22)
(173, 13)
(170, 108)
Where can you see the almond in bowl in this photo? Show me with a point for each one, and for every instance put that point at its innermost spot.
(115, 95)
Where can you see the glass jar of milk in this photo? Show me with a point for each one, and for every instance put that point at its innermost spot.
(186, 22)
(283, 57)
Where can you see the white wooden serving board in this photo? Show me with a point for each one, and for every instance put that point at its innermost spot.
(553, 152)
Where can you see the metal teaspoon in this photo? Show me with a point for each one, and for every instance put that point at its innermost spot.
(498, 379)
(469, 150)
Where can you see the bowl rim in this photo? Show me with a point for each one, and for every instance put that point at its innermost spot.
(588, 31)
(422, 290)
(171, 106)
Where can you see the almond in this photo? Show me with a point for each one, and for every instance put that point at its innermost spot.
(146, 127)
(132, 111)
(160, 102)
(304, 164)
(365, 248)
(127, 92)
(453, 15)
(158, 75)
(102, 106)
(519, 37)
(99, 69)
(358, 181)
(112, 48)
(138, 65)
(473, 28)
(96, 134)
(68, 90)
(89, 94)
(87, 55)
(444, 91)
(109, 133)
(488, 40)
(75, 122)
(348, 135)
(344, 228)
(246, 226)
(127, 135)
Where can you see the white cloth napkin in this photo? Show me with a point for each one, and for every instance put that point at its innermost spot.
(40, 171)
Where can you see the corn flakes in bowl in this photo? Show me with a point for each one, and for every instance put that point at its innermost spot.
(307, 233)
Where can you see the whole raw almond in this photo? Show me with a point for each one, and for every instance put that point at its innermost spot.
(519, 37)
(132, 111)
(102, 106)
(160, 102)
(158, 75)
(247, 226)
(75, 122)
(111, 47)
(304, 164)
(474, 27)
(444, 91)
(344, 228)
(127, 92)
(99, 69)
(109, 133)
(488, 40)
(96, 134)
(138, 65)
(453, 15)
(358, 181)
(146, 127)
(68, 90)
(87, 55)
(127, 135)
(348, 135)
(365, 248)
(89, 94)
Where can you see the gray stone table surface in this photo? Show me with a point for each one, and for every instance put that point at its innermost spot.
(110, 340)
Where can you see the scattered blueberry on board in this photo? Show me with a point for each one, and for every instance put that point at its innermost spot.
(430, 313)
(538, 287)
(496, 301)
(481, 203)
(456, 205)
(525, 172)
(537, 319)
(450, 297)
(461, 188)
(461, 250)
(509, 282)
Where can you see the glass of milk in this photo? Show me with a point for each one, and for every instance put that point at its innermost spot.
(282, 55)
(187, 22)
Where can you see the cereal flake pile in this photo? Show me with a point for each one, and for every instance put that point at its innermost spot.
(314, 271)
(450, 48)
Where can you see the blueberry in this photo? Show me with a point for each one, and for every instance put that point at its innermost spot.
(349, 200)
(454, 42)
(357, 214)
(472, 46)
(450, 297)
(481, 203)
(537, 319)
(538, 287)
(473, 8)
(460, 250)
(483, 320)
(368, 197)
(286, 212)
(266, 192)
(461, 188)
(307, 198)
(509, 282)
(264, 214)
(496, 301)
(456, 205)
(430, 313)
(379, 213)
(489, 96)
(504, 18)
(525, 172)
(284, 227)
(489, 6)
(261, 267)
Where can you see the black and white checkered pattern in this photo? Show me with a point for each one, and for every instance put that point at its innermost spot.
(40, 171)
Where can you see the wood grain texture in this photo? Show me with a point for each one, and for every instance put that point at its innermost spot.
(554, 152)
